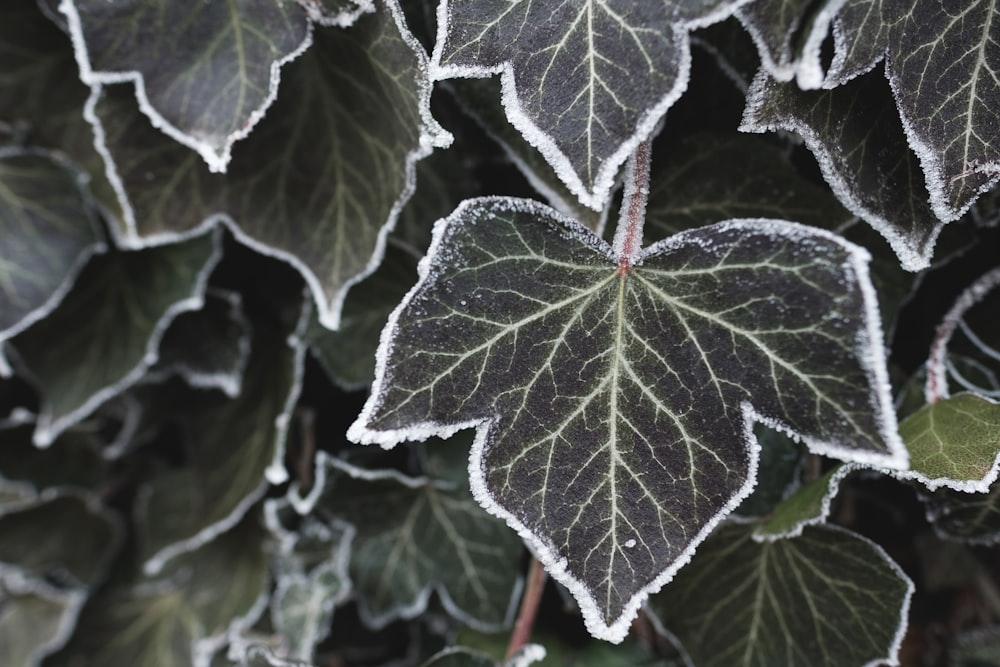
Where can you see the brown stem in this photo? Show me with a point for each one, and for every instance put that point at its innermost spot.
(628, 236)
(529, 608)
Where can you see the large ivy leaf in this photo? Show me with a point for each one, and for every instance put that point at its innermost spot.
(206, 90)
(827, 597)
(48, 230)
(180, 619)
(525, 325)
(855, 134)
(184, 507)
(583, 82)
(417, 535)
(116, 311)
(35, 619)
(320, 181)
(942, 62)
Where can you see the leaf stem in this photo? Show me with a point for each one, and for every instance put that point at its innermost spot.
(936, 387)
(529, 608)
(628, 235)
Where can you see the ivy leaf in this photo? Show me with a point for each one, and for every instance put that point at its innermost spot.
(182, 618)
(856, 136)
(711, 177)
(209, 347)
(779, 469)
(460, 656)
(353, 115)
(118, 309)
(954, 442)
(74, 461)
(789, 34)
(35, 619)
(414, 536)
(48, 230)
(205, 91)
(973, 518)
(584, 83)
(183, 508)
(523, 326)
(942, 65)
(809, 505)
(827, 597)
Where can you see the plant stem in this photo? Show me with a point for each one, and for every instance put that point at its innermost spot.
(628, 235)
(937, 381)
(529, 608)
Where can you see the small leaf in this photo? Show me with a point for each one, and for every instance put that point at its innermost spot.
(778, 472)
(206, 90)
(180, 619)
(954, 442)
(827, 597)
(523, 325)
(808, 506)
(584, 83)
(353, 115)
(855, 134)
(414, 536)
(35, 619)
(48, 230)
(209, 347)
(182, 508)
(973, 518)
(117, 311)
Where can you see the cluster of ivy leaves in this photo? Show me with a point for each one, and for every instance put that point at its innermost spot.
(239, 240)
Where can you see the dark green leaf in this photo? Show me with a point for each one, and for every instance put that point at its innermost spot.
(942, 62)
(73, 461)
(710, 178)
(206, 90)
(970, 517)
(105, 333)
(48, 230)
(414, 536)
(181, 618)
(35, 619)
(231, 448)
(809, 505)
(781, 460)
(583, 82)
(856, 136)
(827, 597)
(209, 347)
(977, 648)
(954, 442)
(459, 656)
(582, 378)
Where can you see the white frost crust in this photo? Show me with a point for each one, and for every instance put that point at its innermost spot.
(306, 505)
(871, 355)
(274, 474)
(344, 19)
(911, 257)
(597, 195)
(19, 583)
(528, 654)
(328, 308)
(48, 427)
(217, 159)
(70, 272)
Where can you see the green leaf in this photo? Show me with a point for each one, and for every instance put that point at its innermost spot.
(231, 447)
(807, 506)
(74, 461)
(942, 65)
(954, 442)
(35, 619)
(581, 378)
(181, 618)
(62, 535)
(209, 347)
(856, 136)
(583, 82)
(977, 648)
(117, 312)
(781, 460)
(320, 181)
(827, 597)
(48, 230)
(206, 90)
(973, 518)
(417, 535)
(42, 93)
(709, 178)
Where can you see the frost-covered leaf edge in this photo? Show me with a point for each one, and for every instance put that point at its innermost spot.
(432, 136)
(305, 504)
(604, 182)
(555, 565)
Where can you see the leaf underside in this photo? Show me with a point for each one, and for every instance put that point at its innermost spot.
(614, 407)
